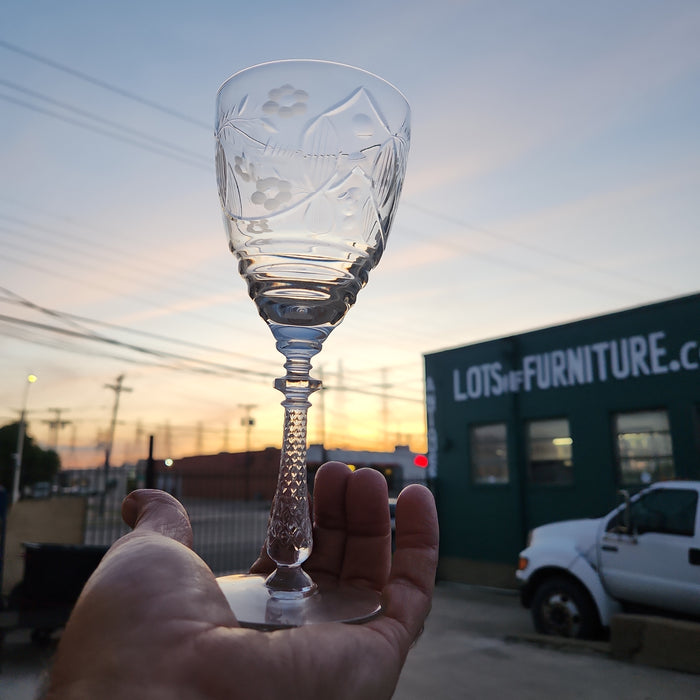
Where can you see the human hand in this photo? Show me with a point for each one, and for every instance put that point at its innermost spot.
(153, 623)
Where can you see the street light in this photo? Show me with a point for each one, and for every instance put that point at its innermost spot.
(31, 378)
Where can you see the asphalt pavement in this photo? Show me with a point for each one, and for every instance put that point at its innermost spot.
(478, 643)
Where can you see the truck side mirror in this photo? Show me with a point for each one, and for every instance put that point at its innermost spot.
(626, 513)
(629, 528)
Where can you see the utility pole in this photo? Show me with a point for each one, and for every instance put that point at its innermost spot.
(138, 437)
(150, 466)
(31, 378)
(55, 425)
(247, 422)
(117, 389)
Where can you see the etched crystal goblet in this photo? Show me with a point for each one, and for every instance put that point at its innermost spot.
(310, 161)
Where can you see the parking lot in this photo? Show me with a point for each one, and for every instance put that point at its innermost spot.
(477, 643)
(480, 643)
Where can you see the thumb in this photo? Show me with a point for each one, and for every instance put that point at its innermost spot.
(151, 510)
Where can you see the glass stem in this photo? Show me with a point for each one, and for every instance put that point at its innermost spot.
(289, 531)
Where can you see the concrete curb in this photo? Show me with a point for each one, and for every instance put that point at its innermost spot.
(642, 639)
(656, 641)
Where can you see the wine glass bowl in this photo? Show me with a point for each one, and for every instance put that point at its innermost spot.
(310, 161)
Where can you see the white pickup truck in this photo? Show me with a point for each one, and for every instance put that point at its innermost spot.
(575, 575)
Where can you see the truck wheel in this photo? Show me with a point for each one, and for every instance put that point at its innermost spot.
(562, 607)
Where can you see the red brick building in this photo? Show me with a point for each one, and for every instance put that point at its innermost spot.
(239, 476)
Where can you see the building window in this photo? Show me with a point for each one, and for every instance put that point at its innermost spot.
(549, 452)
(644, 450)
(489, 453)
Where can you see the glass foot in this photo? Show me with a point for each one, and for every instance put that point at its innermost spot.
(255, 606)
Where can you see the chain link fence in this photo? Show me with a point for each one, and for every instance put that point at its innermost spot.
(228, 532)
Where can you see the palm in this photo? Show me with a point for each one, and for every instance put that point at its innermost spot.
(153, 622)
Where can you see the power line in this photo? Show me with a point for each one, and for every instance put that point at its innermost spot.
(105, 132)
(191, 363)
(185, 157)
(140, 271)
(124, 93)
(53, 272)
(206, 365)
(140, 361)
(148, 138)
(104, 85)
(143, 279)
(545, 252)
(63, 315)
(131, 271)
(568, 281)
(83, 248)
(85, 242)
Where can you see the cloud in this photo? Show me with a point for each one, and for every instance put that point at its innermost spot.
(494, 117)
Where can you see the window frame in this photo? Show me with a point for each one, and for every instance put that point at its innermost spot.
(552, 483)
(484, 481)
(660, 472)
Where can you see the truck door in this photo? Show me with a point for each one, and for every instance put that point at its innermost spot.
(657, 563)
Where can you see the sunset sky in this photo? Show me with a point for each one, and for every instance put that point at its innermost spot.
(554, 175)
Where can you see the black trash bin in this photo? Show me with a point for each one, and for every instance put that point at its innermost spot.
(54, 574)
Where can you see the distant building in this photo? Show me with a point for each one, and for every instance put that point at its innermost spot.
(253, 475)
(400, 467)
(548, 425)
(92, 481)
(226, 476)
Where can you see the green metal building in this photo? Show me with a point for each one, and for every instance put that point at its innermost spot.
(549, 425)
